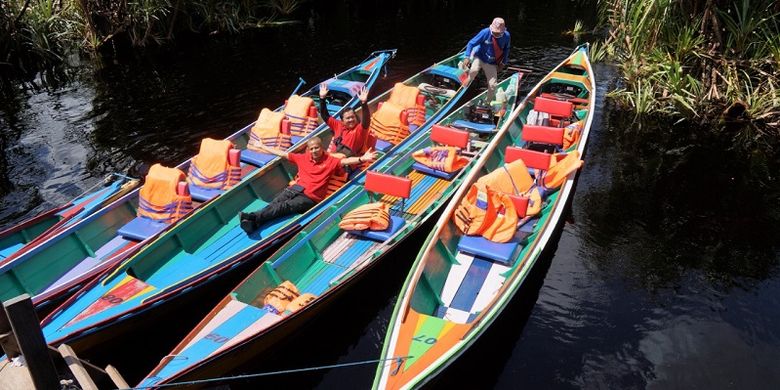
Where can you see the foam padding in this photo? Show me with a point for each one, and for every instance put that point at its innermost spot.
(382, 145)
(141, 228)
(396, 223)
(257, 159)
(474, 126)
(502, 252)
(434, 172)
(202, 194)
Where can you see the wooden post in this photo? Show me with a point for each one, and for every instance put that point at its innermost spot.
(78, 370)
(26, 327)
(7, 339)
(113, 373)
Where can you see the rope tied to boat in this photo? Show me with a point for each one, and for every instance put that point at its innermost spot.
(397, 359)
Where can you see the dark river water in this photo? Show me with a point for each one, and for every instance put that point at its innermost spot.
(665, 274)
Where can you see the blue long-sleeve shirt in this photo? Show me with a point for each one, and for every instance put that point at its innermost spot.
(481, 46)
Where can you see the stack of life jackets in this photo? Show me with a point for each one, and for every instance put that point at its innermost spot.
(164, 196)
(441, 158)
(217, 165)
(285, 299)
(488, 210)
(302, 115)
(372, 216)
(387, 123)
(268, 131)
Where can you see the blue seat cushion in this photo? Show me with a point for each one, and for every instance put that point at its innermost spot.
(295, 139)
(382, 145)
(256, 158)
(202, 194)
(474, 126)
(396, 223)
(141, 228)
(434, 172)
(502, 252)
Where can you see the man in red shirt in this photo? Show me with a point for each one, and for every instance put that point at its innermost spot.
(315, 167)
(350, 138)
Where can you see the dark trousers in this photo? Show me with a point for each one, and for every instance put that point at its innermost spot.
(290, 201)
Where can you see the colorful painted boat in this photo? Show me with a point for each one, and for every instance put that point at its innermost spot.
(459, 284)
(17, 239)
(188, 258)
(58, 266)
(325, 259)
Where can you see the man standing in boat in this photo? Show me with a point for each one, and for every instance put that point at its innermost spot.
(350, 138)
(488, 50)
(315, 168)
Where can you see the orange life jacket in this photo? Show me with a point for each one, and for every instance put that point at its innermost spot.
(299, 303)
(160, 198)
(476, 212)
(267, 131)
(387, 123)
(212, 167)
(277, 300)
(298, 110)
(487, 213)
(442, 158)
(372, 216)
(571, 134)
(557, 174)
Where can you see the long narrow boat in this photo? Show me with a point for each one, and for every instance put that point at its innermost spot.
(17, 239)
(325, 259)
(460, 283)
(59, 265)
(182, 262)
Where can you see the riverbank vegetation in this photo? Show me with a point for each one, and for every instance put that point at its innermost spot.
(37, 35)
(711, 63)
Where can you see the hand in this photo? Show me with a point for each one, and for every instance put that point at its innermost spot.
(467, 63)
(323, 90)
(369, 155)
(363, 95)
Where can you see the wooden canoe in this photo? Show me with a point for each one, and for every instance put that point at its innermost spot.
(459, 284)
(201, 250)
(61, 264)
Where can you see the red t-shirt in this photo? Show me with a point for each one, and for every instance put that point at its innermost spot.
(357, 139)
(313, 176)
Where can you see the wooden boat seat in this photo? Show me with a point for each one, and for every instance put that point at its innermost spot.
(482, 128)
(382, 183)
(471, 284)
(449, 136)
(141, 228)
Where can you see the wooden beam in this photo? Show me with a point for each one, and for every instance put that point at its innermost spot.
(116, 377)
(26, 327)
(78, 370)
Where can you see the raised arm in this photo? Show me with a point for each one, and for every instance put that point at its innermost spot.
(324, 114)
(366, 114)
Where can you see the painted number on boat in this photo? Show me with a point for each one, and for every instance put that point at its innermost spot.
(427, 340)
(111, 298)
(216, 338)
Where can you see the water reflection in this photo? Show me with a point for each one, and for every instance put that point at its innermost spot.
(666, 276)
